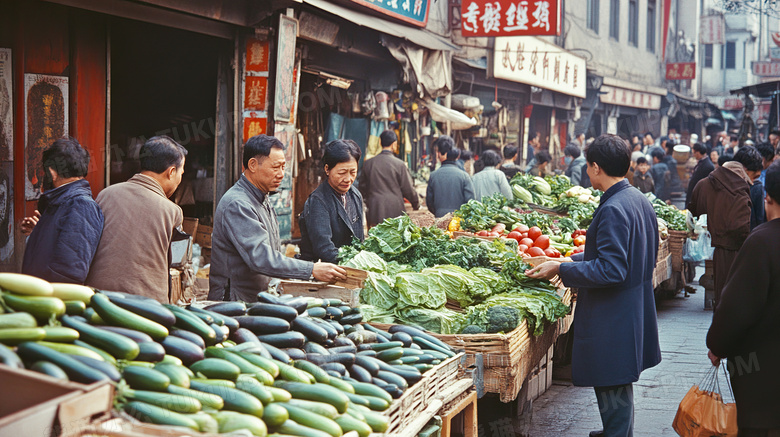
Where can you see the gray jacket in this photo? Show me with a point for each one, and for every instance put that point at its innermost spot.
(246, 247)
(448, 188)
(574, 170)
(490, 181)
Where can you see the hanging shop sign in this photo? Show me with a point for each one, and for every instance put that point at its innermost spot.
(409, 11)
(6, 108)
(257, 55)
(680, 70)
(732, 104)
(536, 62)
(284, 96)
(510, 18)
(766, 68)
(631, 98)
(712, 29)
(255, 123)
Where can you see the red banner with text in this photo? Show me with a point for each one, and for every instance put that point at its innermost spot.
(680, 70)
(510, 18)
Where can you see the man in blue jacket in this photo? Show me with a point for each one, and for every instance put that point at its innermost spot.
(615, 328)
(65, 237)
(449, 187)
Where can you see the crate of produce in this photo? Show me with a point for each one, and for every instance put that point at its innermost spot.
(44, 406)
(322, 290)
(433, 385)
(663, 248)
(676, 243)
(663, 270)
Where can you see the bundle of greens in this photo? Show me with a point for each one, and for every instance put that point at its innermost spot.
(558, 184)
(674, 218)
(458, 284)
(536, 307)
(483, 215)
(442, 320)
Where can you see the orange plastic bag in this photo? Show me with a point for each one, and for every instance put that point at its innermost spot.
(702, 412)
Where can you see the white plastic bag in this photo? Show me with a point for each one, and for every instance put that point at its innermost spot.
(699, 249)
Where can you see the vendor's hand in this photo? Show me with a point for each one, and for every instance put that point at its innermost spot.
(545, 270)
(28, 223)
(715, 360)
(327, 272)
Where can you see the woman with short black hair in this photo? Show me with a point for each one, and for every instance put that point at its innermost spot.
(333, 214)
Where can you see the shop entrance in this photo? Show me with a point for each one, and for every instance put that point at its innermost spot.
(163, 81)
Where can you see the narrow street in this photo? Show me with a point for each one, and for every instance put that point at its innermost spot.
(565, 410)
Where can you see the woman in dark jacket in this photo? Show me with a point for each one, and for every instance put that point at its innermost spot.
(333, 213)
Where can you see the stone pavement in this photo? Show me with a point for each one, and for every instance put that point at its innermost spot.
(565, 410)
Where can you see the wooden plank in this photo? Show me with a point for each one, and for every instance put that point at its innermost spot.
(467, 406)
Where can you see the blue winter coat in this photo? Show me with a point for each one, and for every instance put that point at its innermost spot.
(615, 329)
(63, 243)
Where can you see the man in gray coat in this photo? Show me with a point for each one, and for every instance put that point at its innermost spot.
(385, 182)
(449, 187)
(245, 243)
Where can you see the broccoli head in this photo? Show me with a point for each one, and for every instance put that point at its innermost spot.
(473, 329)
(502, 319)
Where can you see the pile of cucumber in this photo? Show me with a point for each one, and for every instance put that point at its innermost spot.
(285, 365)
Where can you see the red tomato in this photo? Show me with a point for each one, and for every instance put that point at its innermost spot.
(535, 251)
(521, 229)
(515, 236)
(482, 233)
(522, 248)
(524, 235)
(579, 241)
(543, 242)
(552, 252)
(534, 233)
(527, 241)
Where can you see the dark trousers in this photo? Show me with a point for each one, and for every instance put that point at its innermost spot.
(616, 406)
(749, 432)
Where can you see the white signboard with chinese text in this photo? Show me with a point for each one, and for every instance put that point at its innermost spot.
(712, 29)
(530, 60)
(625, 97)
(766, 69)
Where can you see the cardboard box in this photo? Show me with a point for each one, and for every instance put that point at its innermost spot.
(39, 405)
(203, 236)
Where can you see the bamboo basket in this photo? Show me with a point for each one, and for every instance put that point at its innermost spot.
(676, 242)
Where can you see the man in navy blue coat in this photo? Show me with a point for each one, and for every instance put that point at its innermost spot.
(615, 328)
(69, 222)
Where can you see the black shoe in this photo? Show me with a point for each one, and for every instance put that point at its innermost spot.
(599, 433)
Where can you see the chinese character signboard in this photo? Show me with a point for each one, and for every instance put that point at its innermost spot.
(680, 70)
(532, 61)
(256, 55)
(766, 69)
(712, 30)
(284, 96)
(256, 90)
(631, 98)
(414, 12)
(255, 123)
(510, 17)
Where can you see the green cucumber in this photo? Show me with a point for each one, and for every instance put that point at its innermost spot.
(425, 344)
(275, 415)
(60, 334)
(72, 292)
(76, 370)
(17, 320)
(216, 368)
(118, 316)
(291, 427)
(106, 356)
(73, 349)
(206, 423)
(377, 404)
(409, 352)
(312, 420)
(378, 422)
(317, 312)
(279, 394)
(143, 378)
(348, 423)
(242, 364)
(409, 360)
(250, 385)
(353, 411)
(169, 401)
(229, 421)
(316, 392)
(179, 375)
(42, 308)
(378, 347)
(423, 367)
(390, 354)
(115, 344)
(14, 336)
(264, 363)
(341, 385)
(170, 359)
(290, 373)
(92, 317)
(215, 382)
(314, 370)
(189, 321)
(157, 415)
(75, 307)
(320, 408)
(235, 400)
(366, 389)
(49, 368)
(208, 400)
(358, 400)
(25, 284)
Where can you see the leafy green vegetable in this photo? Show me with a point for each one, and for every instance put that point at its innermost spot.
(494, 281)
(674, 218)
(366, 260)
(502, 319)
(458, 284)
(377, 315)
(536, 307)
(442, 320)
(415, 291)
(379, 291)
(473, 329)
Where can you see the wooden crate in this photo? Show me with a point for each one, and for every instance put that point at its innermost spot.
(676, 242)
(203, 236)
(39, 405)
(663, 248)
(465, 404)
(322, 290)
(663, 270)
